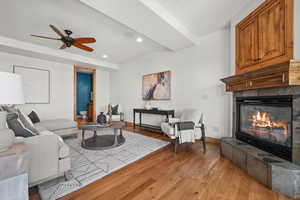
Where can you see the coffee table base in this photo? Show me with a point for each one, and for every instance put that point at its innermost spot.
(102, 142)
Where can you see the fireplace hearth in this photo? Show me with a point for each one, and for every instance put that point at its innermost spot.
(266, 122)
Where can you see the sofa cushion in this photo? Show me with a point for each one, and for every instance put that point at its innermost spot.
(57, 124)
(39, 127)
(67, 131)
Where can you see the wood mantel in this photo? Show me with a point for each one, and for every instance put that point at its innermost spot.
(282, 75)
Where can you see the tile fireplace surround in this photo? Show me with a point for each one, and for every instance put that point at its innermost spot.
(277, 174)
(293, 90)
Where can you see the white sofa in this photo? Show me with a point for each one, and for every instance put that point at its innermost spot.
(61, 127)
(49, 157)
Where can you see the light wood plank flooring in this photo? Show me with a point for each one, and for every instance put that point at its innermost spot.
(186, 175)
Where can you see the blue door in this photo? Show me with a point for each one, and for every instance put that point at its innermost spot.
(84, 90)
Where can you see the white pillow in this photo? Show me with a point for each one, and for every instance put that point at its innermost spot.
(3, 115)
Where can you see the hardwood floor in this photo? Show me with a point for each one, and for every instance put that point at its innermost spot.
(186, 175)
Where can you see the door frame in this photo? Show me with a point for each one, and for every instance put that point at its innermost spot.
(93, 72)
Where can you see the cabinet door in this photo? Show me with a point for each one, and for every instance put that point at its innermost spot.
(272, 31)
(247, 44)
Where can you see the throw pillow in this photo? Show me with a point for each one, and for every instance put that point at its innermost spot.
(3, 119)
(34, 117)
(114, 110)
(10, 109)
(27, 123)
(15, 124)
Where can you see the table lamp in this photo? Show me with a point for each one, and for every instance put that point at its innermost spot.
(11, 93)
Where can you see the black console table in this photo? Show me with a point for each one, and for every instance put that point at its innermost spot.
(167, 113)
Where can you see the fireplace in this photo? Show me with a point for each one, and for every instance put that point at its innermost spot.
(266, 122)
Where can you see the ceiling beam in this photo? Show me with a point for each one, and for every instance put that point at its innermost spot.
(9, 45)
(142, 19)
(165, 15)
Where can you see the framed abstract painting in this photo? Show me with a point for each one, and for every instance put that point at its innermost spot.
(157, 86)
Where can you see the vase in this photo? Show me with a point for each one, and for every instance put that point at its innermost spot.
(101, 119)
(148, 105)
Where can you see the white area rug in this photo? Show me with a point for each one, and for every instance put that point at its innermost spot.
(90, 165)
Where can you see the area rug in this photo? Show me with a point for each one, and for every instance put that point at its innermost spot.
(88, 166)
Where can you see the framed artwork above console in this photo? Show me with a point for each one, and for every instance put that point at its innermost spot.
(157, 86)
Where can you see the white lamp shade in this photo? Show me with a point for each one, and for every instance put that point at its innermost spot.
(11, 89)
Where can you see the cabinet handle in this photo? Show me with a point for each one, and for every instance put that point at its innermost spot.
(283, 78)
(250, 83)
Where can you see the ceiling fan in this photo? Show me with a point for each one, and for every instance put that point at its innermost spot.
(69, 41)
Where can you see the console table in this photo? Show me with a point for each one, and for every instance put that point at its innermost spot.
(141, 111)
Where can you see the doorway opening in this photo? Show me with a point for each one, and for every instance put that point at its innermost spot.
(84, 94)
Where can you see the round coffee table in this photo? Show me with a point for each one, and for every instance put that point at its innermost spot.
(102, 142)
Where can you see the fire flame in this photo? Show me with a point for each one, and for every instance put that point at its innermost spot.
(262, 120)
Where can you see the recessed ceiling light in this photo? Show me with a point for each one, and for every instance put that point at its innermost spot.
(104, 56)
(139, 39)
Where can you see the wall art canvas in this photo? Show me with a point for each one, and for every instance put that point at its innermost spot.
(36, 84)
(157, 86)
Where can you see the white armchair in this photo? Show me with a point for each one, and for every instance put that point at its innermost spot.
(119, 116)
(189, 127)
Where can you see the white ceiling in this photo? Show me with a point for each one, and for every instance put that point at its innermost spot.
(163, 24)
(19, 19)
(202, 17)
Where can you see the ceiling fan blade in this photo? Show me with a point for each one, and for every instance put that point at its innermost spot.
(83, 47)
(85, 40)
(63, 46)
(45, 37)
(56, 31)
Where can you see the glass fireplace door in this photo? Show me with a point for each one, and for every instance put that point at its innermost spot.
(268, 123)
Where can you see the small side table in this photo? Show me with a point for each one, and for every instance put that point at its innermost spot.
(14, 164)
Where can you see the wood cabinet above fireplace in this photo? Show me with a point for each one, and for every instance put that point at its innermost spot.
(265, 49)
(265, 37)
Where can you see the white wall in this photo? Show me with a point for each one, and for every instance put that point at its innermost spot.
(196, 74)
(61, 86)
